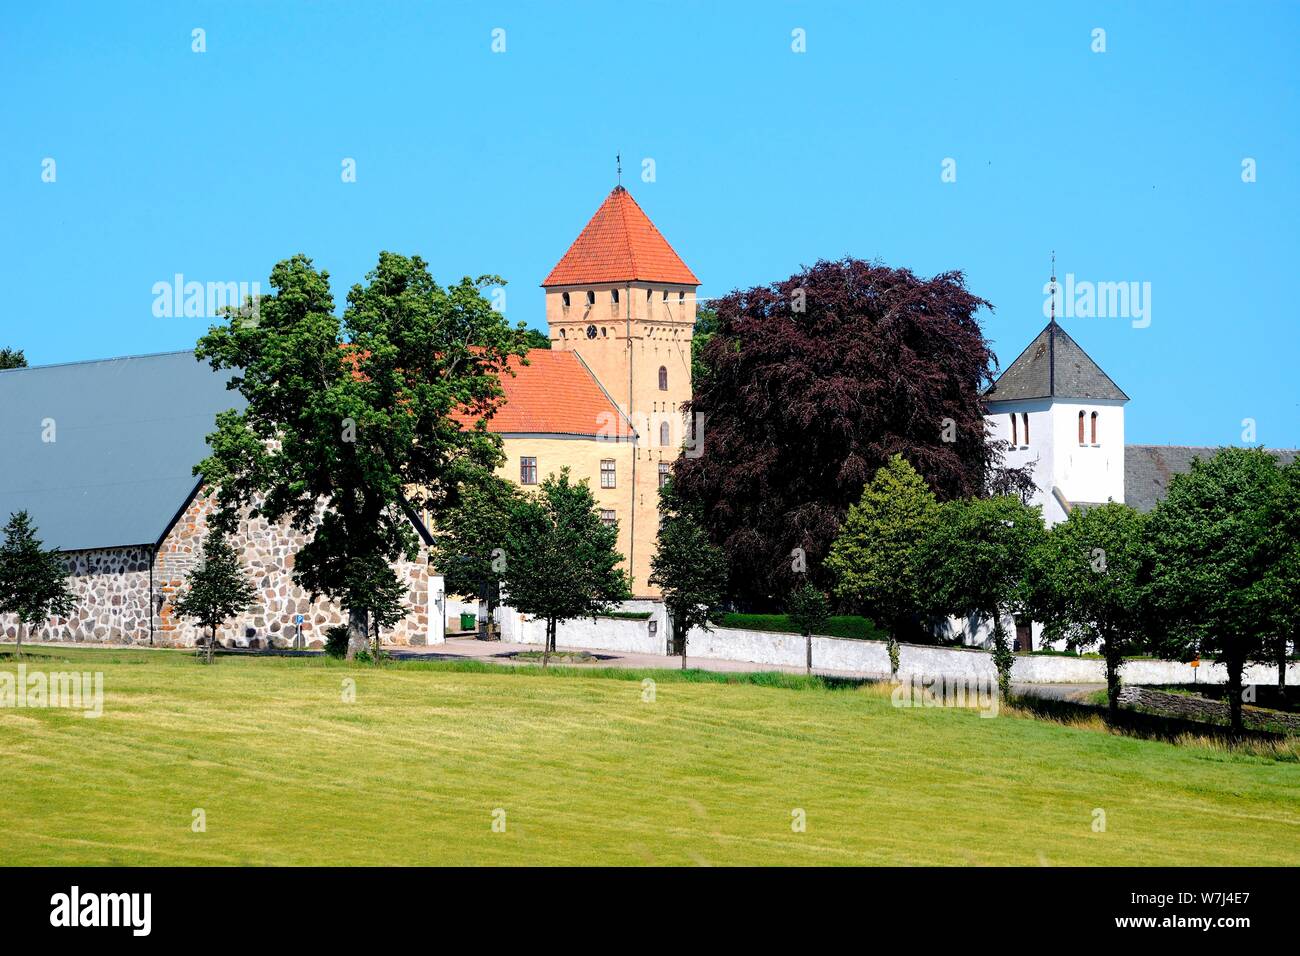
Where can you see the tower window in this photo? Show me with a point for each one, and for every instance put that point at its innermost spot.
(608, 476)
(663, 434)
(1024, 419)
(1014, 438)
(591, 298)
(528, 471)
(564, 297)
(663, 378)
(664, 471)
(665, 295)
(1081, 428)
(562, 335)
(681, 298)
(614, 296)
(1094, 428)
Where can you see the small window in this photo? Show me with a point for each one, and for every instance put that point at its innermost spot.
(591, 298)
(663, 434)
(614, 294)
(528, 471)
(608, 477)
(665, 295)
(663, 378)
(1081, 428)
(604, 334)
(648, 294)
(608, 518)
(1015, 440)
(564, 297)
(562, 335)
(1094, 428)
(664, 471)
(681, 298)
(1024, 420)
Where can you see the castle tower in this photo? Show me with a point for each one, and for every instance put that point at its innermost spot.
(624, 301)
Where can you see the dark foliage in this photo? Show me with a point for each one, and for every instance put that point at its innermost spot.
(810, 385)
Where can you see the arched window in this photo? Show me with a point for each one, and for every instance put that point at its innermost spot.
(1014, 441)
(663, 434)
(564, 297)
(562, 335)
(591, 298)
(663, 378)
(1025, 421)
(1081, 428)
(1094, 428)
(615, 295)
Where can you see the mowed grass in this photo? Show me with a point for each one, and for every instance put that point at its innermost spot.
(587, 772)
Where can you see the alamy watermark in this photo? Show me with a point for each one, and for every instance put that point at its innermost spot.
(73, 690)
(1085, 299)
(205, 300)
(918, 690)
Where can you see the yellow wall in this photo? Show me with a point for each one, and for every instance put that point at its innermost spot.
(636, 336)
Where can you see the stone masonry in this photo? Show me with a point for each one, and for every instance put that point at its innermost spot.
(126, 595)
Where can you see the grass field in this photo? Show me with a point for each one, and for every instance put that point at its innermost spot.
(589, 773)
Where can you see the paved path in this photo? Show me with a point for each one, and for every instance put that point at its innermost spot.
(499, 652)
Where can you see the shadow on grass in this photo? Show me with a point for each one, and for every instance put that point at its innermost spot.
(1142, 724)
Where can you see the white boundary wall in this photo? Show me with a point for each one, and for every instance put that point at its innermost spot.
(851, 657)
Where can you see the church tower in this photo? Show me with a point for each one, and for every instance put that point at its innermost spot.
(624, 302)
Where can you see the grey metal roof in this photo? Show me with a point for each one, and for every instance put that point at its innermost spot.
(128, 433)
(1053, 366)
(1148, 468)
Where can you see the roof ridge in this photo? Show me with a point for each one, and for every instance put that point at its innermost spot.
(98, 361)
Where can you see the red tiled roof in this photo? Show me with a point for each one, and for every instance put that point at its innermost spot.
(620, 244)
(556, 394)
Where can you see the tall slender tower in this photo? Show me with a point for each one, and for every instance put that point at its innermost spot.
(624, 301)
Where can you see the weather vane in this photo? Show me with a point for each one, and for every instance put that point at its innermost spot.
(618, 162)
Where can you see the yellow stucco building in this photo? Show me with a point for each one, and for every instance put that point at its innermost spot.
(605, 401)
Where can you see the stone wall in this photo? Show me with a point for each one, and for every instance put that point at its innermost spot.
(115, 603)
(112, 590)
(267, 551)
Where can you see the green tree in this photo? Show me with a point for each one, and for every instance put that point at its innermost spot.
(1085, 585)
(12, 358)
(809, 610)
(973, 562)
(1210, 555)
(562, 562)
(689, 569)
(217, 588)
(352, 426)
(470, 538)
(706, 324)
(33, 581)
(873, 558)
(1282, 579)
(534, 339)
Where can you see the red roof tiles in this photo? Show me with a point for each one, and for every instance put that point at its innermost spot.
(620, 244)
(556, 394)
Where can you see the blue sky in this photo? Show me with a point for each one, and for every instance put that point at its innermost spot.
(1128, 163)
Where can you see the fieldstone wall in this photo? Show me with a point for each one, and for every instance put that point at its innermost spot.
(112, 590)
(267, 551)
(124, 597)
(1199, 708)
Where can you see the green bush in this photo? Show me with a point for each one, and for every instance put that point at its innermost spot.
(627, 615)
(336, 640)
(845, 625)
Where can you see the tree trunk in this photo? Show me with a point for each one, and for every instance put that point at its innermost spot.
(22, 627)
(358, 633)
(1235, 667)
(681, 640)
(808, 639)
(212, 642)
(546, 645)
(1113, 662)
(1003, 658)
(377, 644)
(1281, 664)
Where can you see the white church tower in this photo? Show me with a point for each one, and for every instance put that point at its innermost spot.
(1058, 411)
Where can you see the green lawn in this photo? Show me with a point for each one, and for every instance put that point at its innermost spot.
(588, 773)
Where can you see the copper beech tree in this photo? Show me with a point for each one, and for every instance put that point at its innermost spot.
(809, 386)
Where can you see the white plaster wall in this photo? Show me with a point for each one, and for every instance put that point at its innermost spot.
(602, 633)
(1089, 472)
(1039, 451)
